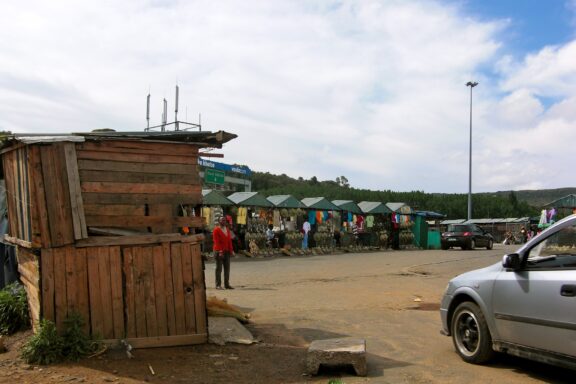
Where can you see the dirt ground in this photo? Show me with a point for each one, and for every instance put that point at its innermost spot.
(390, 299)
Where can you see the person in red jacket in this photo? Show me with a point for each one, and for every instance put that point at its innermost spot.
(222, 239)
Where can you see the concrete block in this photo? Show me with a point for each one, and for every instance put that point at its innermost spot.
(334, 352)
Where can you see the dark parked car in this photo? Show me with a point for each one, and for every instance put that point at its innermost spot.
(466, 236)
(524, 306)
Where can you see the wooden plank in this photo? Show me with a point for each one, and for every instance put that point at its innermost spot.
(57, 193)
(16, 241)
(99, 241)
(160, 291)
(169, 289)
(137, 158)
(117, 166)
(28, 266)
(82, 293)
(150, 294)
(36, 237)
(76, 204)
(96, 308)
(188, 286)
(114, 210)
(18, 195)
(142, 198)
(199, 288)
(140, 294)
(144, 221)
(39, 196)
(130, 304)
(125, 146)
(162, 210)
(178, 286)
(165, 341)
(139, 177)
(47, 272)
(61, 307)
(11, 195)
(23, 194)
(109, 187)
(106, 291)
(71, 279)
(117, 292)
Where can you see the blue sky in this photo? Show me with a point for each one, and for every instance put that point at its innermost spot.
(373, 90)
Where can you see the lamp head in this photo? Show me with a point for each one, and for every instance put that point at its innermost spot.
(471, 84)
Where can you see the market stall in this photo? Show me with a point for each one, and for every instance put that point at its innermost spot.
(251, 218)
(288, 209)
(378, 220)
(320, 217)
(349, 216)
(214, 205)
(402, 223)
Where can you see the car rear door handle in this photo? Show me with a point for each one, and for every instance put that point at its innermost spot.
(568, 290)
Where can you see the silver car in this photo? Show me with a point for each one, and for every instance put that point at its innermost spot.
(524, 306)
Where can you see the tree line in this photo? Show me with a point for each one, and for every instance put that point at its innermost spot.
(453, 205)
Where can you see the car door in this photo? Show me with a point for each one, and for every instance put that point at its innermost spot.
(536, 306)
(479, 236)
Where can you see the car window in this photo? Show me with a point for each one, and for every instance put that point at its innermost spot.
(556, 251)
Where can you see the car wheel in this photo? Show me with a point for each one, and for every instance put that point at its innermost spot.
(490, 244)
(470, 334)
(472, 244)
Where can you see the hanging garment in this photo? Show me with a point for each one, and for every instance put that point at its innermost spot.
(206, 211)
(350, 217)
(242, 215)
(369, 221)
(319, 217)
(276, 220)
(312, 217)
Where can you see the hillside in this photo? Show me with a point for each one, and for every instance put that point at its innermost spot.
(497, 204)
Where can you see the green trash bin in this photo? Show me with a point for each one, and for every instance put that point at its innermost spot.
(433, 239)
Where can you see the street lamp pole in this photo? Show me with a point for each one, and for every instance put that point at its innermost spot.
(470, 84)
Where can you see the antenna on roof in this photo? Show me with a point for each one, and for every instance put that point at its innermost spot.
(177, 124)
(176, 109)
(164, 115)
(148, 111)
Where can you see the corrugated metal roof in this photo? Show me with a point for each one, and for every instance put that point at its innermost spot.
(320, 203)
(568, 201)
(285, 201)
(347, 205)
(399, 208)
(214, 197)
(374, 207)
(250, 199)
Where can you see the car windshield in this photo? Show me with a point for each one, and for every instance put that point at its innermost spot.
(459, 228)
(561, 243)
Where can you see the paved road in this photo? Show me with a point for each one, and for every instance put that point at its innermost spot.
(374, 296)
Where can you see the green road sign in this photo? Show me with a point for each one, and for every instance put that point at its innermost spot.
(213, 176)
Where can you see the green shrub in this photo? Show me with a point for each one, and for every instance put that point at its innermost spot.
(14, 315)
(47, 346)
(77, 343)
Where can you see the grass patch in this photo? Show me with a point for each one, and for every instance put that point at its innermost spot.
(14, 315)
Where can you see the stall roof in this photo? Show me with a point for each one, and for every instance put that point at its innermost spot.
(249, 199)
(374, 207)
(568, 201)
(399, 208)
(285, 201)
(430, 214)
(320, 203)
(214, 197)
(347, 205)
(457, 221)
(199, 138)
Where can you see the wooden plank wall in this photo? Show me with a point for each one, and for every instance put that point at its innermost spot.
(29, 270)
(138, 184)
(16, 174)
(150, 295)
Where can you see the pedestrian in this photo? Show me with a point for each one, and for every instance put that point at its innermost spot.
(305, 229)
(222, 239)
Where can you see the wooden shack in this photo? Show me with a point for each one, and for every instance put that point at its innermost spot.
(98, 221)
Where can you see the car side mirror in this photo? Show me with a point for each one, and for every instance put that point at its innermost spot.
(511, 261)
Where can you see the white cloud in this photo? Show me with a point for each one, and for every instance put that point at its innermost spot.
(373, 90)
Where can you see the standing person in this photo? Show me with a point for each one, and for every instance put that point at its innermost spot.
(222, 238)
(305, 229)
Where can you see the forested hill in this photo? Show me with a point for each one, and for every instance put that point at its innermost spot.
(484, 205)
